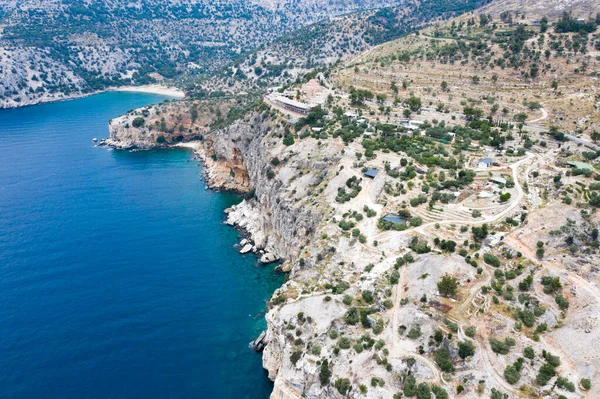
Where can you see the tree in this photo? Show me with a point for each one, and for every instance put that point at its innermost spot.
(410, 386)
(504, 197)
(521, 117)
(586, 384)
(466, 349)
(443, 360)
(512, 375)
(545, 374)
(444, 85)
(423, 391)
(343, 385)
(447, 286)
(472, 113)
(138, 122)
(414, 103)
(288, 140)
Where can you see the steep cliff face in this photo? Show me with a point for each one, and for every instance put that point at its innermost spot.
(240, 157)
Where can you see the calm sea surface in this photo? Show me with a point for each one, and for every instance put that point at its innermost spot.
(117, 277)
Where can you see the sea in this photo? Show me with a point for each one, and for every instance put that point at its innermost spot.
(118, 277)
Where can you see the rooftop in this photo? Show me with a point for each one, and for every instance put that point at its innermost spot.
(371, 172)
(580, 165)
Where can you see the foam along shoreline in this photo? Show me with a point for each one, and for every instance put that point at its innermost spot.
(155, 89)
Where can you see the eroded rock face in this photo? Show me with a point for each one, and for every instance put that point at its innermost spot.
(238, 158)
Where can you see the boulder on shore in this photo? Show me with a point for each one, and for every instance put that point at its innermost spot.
(268, 258)
(247, 248)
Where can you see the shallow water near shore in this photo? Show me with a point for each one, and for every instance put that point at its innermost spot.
(118, 277)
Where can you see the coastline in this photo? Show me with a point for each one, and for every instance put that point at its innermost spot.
(150, 89)
(170, 91)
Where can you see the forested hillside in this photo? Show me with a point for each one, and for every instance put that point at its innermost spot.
(57, 49)
(67, 47)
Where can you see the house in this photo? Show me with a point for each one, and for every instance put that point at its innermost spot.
(485, 162)
(371, 173)
(498, 180)
(290, 105)
(580, 165)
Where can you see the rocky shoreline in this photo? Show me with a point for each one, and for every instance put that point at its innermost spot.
(274, 228)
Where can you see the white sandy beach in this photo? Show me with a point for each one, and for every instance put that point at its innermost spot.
(154, 88)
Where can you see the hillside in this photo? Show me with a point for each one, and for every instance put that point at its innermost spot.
(506, 67)
(56, 49)
(325, 43)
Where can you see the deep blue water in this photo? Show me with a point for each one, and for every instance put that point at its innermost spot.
(118, 278)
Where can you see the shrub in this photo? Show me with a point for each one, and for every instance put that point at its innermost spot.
(512, 375)
(378, 327)
(470, 331)
(414, 332)
(443, 360)
(585, 383)
(324, 373)
(295, 356)
(466, 349)
(499, 346)
(529, 353)
(344, 343)
(439, 392)
(491, 259)
(410, 386)
(447, 286)
(562, 302)
(343, 385)
(394, 277)
(368, 296)
(288, 140)
(423, 391)
(545, 374)
(352, 317)
(138, 122)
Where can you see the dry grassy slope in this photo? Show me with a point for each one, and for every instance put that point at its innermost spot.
(539, 8)
(573, 107)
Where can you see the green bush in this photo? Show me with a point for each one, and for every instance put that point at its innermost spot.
(529, 353)
(344, 343)
(491, 259)
(585, 383)
(466, 349)
(443, 360)
(447, 286)
(343, 385)
(512, 375)
(470, 331)
(138, 122)
(545, 374)
(499, 346)
(324, 373)
(414, 332)
(288, 140)
(562, 302)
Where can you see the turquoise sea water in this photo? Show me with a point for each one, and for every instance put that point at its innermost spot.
(118, 278)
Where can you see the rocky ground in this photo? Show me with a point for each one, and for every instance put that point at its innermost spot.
(486, 290)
